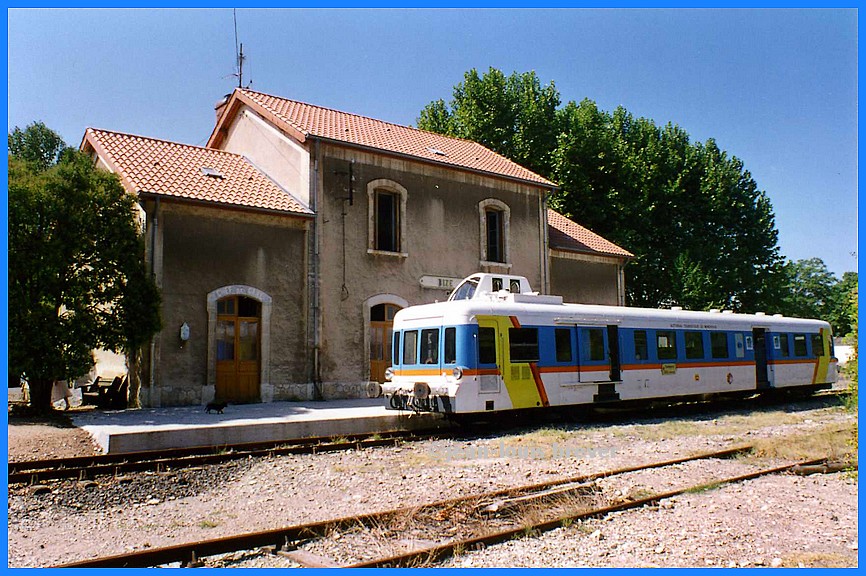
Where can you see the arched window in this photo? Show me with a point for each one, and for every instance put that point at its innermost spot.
(495, 220)
(386, 202)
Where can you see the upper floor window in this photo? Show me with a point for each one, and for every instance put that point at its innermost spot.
(495, 225)
(387, 217)
(495, 240)
(387, 221)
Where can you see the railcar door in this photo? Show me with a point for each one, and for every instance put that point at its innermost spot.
(490, 357)
(762, 378)
(593, 354)
(613, 352)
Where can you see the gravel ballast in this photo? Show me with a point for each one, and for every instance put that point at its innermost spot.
(778, 520)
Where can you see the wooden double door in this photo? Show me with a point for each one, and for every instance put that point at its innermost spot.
(238, 349)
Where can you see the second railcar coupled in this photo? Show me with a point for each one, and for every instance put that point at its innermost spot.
(495, 345)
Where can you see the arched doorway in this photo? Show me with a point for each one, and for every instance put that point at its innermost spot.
(238, 349)
(381, 338)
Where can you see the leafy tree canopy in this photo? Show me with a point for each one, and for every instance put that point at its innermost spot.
(37, 145)
(702, 233)
(77, 279)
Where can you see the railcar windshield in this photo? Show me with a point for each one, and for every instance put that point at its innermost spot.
(465, 291)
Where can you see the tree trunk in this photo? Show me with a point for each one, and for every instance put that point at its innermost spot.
(40, 395)
(133, 370)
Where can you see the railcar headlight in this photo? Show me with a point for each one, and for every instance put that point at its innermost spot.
(457, 373)
(389, 373)
(421, 390)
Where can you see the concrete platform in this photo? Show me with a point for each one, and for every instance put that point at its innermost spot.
(186, 426)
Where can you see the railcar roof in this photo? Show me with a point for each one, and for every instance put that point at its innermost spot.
(462, 311)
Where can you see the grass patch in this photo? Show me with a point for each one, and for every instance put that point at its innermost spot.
(208, 524)
(818, 560)
(705, 488)
(833, 441)
(725, 425)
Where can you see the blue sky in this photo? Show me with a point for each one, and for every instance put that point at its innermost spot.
(775, 87)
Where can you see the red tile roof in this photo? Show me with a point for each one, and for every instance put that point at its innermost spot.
(570, 236)
(304, 120)
(148, 165)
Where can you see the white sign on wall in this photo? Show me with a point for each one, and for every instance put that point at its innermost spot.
(439, 282)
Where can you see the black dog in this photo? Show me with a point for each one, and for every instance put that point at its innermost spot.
(217, 406)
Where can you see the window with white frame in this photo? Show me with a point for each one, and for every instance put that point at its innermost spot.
(386, 202)
(495, 220)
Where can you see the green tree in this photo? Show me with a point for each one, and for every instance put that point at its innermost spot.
(810, 292)
(512, 115)
(38, 145)
(840, 315)
(702, 233)
(77, 279)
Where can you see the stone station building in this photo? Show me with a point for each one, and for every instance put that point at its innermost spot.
(284, 247)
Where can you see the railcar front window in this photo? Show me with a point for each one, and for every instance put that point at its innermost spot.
(817, 345)
(666, 344)
(523, 344)
(487, 346)
(694, 345)
(465, 291)
(430, 346)
(396, 349)
(410, 347)
(450, 345)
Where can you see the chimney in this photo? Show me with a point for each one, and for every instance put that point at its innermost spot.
(220, 106)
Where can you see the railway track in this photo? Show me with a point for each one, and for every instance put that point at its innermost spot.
(88, 467)
(489, 514)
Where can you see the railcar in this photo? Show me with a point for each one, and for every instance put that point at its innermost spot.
(495, 345)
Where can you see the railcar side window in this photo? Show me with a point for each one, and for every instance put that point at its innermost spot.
(487, 346)
(719, 344)
(799, 344)
(593, 338)
(694, 345)
(666, 344)
(450, 345)
(817, 345)
(396, 349)
(523, 344)
(783, 342)
(410, 347)
(641, 351)
(563, 344)
(430, 346)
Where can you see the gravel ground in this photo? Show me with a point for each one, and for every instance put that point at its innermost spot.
(780, 520)
(51, 436)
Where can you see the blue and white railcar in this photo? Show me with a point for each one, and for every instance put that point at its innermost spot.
(495, 345)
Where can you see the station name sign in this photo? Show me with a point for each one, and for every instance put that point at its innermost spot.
(439, 282)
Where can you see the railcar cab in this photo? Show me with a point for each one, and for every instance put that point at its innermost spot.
(483, 286)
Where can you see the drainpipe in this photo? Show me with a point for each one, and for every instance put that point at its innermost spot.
(545, 249)
(314, 276)
(153, 232)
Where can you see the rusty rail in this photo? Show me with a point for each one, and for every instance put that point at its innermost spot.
(279, 538)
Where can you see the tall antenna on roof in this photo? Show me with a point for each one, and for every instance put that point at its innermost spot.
(239, 52)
